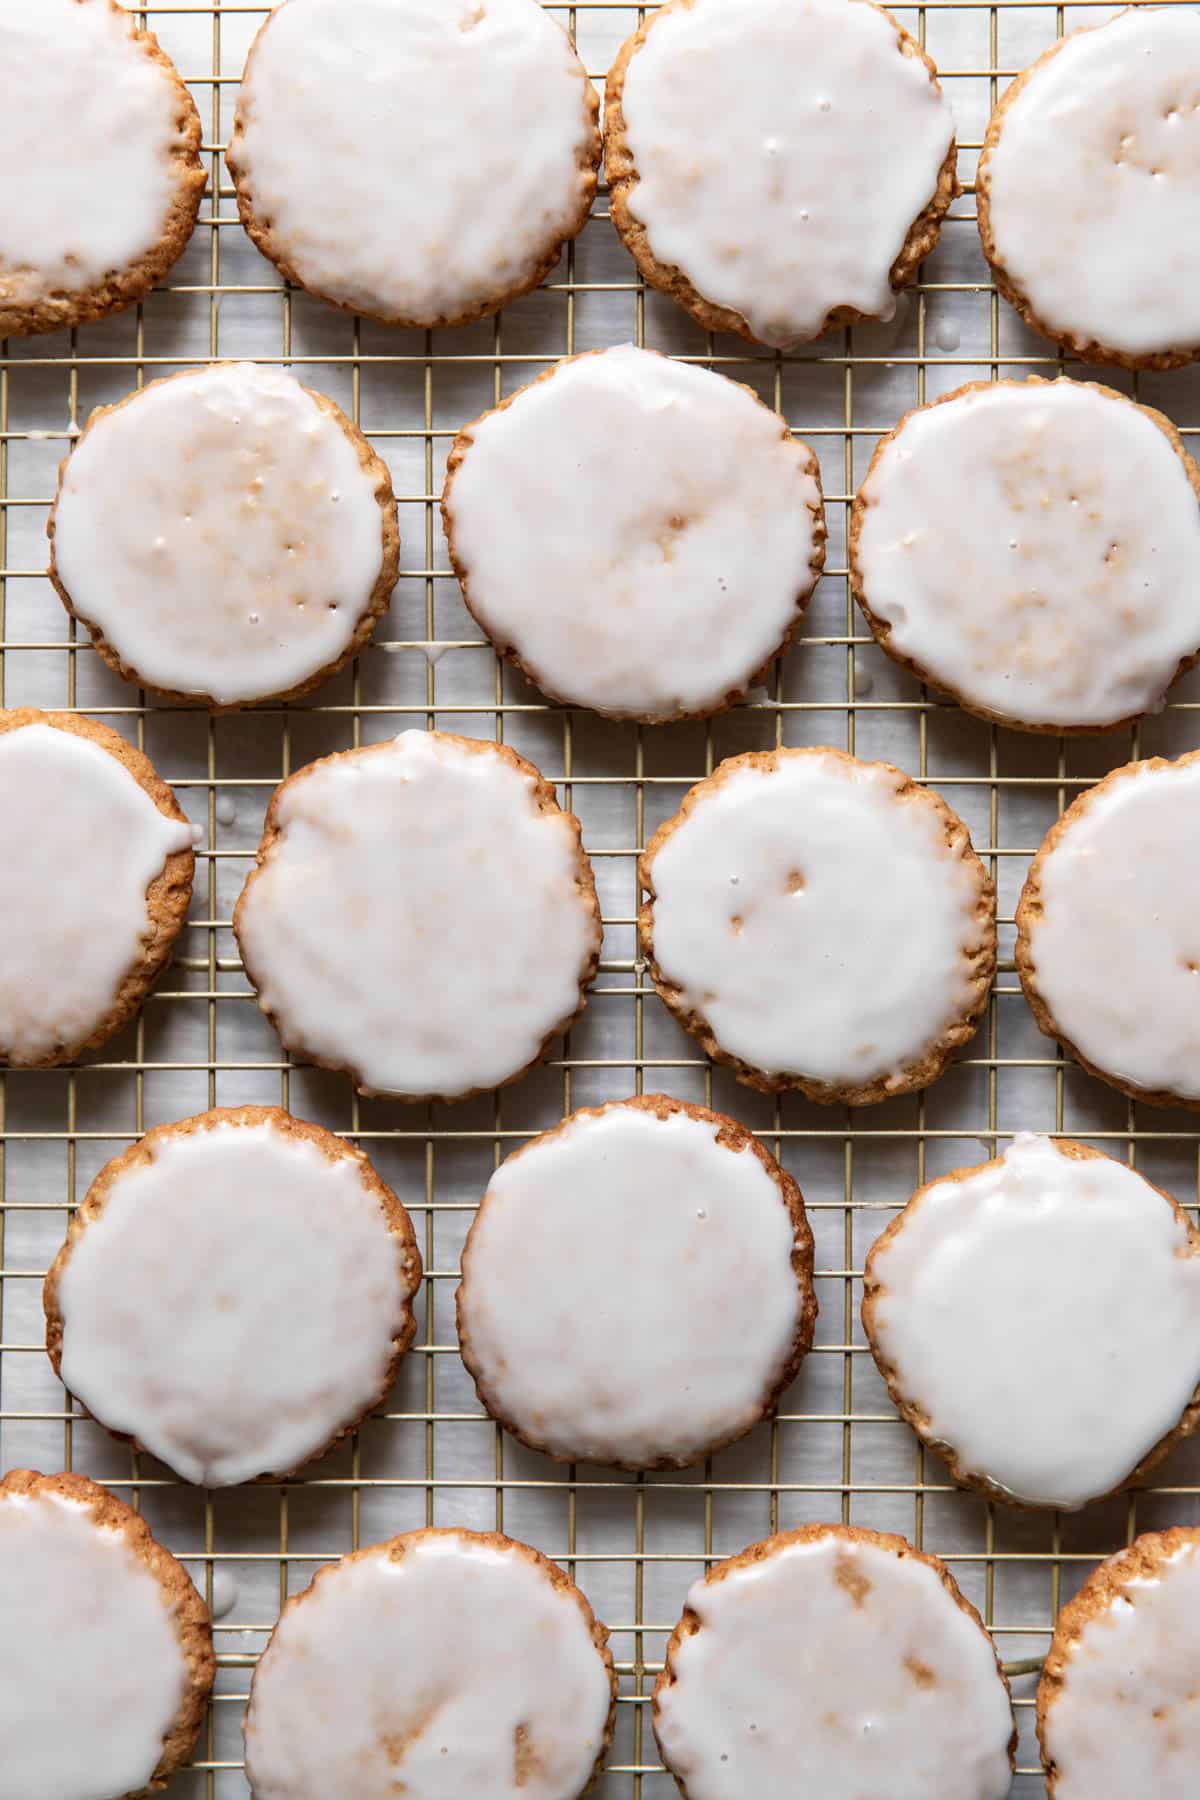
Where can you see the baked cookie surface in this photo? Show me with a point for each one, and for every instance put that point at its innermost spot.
(106, 1658)
(824, 186)
(89, 913)
(444, 1665)
(226, 536)
(1108, 930)
(1089, 190)
(1116, 1705)
(640, 536)
(234, 1294)
(1037, 1320)
(93, 214)
(819, 922)
(422, 914)
(372, 152)
(1029, 547)
(838, 1662)
(646, 1228)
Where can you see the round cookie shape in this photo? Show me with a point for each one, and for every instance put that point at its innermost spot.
(226, 536)
(1089, 190)
(823, 190)
(234, 1294)
(342, 114)
(90, 217)
(698, 1252)
(95, 1616)
(1116, 1704)
(820, 923)
(836, 1661)
(422, 914)
(90, 912)
(1037, 1321)
(1029, 547)
(1108, 931)
(443, 1663)
(639, 536)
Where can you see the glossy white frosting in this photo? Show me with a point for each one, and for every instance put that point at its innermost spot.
(1094, 184)
(221, 531)
(642, 533)
(1043, 1314)
(783, 155)
(450, 1671)
(1032, 548)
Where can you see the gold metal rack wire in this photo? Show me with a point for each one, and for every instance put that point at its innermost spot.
(836, 1450)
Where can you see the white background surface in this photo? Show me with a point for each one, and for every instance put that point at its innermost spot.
(838, 1451)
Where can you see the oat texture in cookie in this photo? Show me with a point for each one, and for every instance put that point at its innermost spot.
(234, 1295)
(1029, 548)
(226, 535)
(647, 1231)
(372, 152)
(421, 914)
(823, 187)
(100, 172)
(1108, 939)
(1117, 1709)
(639, 535)
(1037, 1320)
(819, 922)
(444, 1663)
(105, 1649)
(1089, 190)
(91, 905)
(838, 1662)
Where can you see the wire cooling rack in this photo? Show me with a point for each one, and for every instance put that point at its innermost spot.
(836, 1451)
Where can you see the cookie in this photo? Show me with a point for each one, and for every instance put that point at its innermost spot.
(234, 1295)
(1029, 548)
(778, 170)
(646, 1229)
(837, 1662)
(100, 172)
(226, 536)
(88, 921)
(1116, 1705)
(639, 536)
(421, 914)
(1108, 931)
(106, 1659)
(455, 1663)
(1089, 191)
(1003, 1300)
(819, 923)
(346, 113)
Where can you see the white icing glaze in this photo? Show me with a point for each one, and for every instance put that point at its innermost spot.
(221, 532)
(639, 531)
(829, 148)
(1126, 1720)
(91, 1672)
(206, 1307)
(625, 1236)
(454, 1670)
(1116, 949)
(783, 899)
(73, 905)
(1032, 548)
(1094, 185)
(836, 1668)
(1044, 1314)
(418, 919)
(343, 113)
(224, 1594)
(79, 204)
